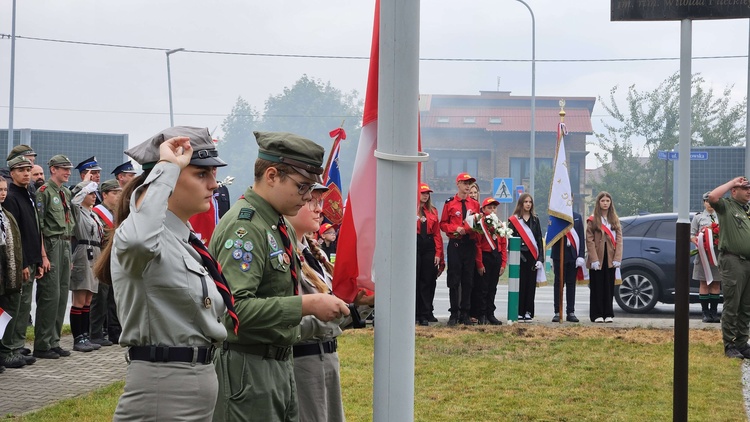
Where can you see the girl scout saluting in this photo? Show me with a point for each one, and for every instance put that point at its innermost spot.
(170, 294)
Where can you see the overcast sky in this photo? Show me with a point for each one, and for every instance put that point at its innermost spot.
(104, 89)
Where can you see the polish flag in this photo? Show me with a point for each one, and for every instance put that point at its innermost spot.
(356, 243)
(4, 321)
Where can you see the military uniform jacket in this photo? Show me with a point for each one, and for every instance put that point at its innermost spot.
(248, 245)
(735, 227)
(158, 277)
(51, 210)
(88, 228)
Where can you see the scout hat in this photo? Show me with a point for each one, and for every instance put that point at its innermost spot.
(465, 177)
(20, 150)
(424, 188)
(126, 167)
(204, 150)
(19, 162)
(325, 227)
(303, 154)
(489, 201)
(88, 164)
(60, 160)
(109, 185)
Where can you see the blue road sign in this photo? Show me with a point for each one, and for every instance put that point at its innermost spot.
(702, 155)
(519, 191)
(662, 155)
(673, 155)
(501, 189)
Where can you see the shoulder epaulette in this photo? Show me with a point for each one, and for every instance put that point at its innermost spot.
(449, 199)
(246, 214)
(42, 188)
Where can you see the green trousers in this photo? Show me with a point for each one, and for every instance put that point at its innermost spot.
(18, 305)
(735, 284)
(52, 295)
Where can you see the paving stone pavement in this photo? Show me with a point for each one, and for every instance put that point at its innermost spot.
(50, 380)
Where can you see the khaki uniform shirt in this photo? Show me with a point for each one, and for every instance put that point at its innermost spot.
(248, 245)
(51, 212)
(734, 235)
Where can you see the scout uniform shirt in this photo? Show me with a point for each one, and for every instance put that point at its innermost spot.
(247, 244)
(55, 216)
(734, 220)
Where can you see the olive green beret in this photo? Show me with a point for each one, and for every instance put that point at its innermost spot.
(204, 150)
(294, 150)
(60, 160)
(19, 162)
(109, 185)
(20, 150)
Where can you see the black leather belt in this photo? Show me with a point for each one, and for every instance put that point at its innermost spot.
(315, 348)
(89, 242)
(202, 354)
(266, 351)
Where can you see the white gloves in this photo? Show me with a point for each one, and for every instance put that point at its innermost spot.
(90, 188)
(580, 262)
(596, 266)
(227, 181)
(538, 265)
(616, 264)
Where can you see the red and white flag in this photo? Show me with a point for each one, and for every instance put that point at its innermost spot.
(4, 321)
(356, 243)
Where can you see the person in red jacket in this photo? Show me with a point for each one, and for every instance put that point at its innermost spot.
(491, 260)
(461, 249)
(429, 254)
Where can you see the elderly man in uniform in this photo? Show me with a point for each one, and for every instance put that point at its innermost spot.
(57, 223)
(734, 263)
(254, 244)
(124, 173)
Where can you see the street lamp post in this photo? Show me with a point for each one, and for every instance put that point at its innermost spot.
(532, 152)
(169, 83)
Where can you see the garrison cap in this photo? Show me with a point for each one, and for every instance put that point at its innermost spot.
(204, 149)
(303, 154)
(126, 167)
(20, 150)
(19, 162)
(60, 160)
(109, 185)
(88, 164)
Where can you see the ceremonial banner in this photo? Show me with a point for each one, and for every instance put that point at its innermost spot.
(4, 321)
(560, 197)
(333, 206)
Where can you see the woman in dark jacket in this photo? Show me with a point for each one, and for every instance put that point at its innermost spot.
(526, 225)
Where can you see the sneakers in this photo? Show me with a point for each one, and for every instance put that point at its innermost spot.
(101, 341)
(732, 352)
(14, 361)
(599, 320)
(30, 360)
(88, 342)
(492, 320)
(556, 318)
(24, 351)
(79, 344)
(60, 352)
(527, 317)
(45, 354)
(609, 319)
(572, 317)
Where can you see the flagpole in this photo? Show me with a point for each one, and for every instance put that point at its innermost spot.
(562, 239)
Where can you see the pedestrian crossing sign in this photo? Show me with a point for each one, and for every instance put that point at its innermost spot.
(501, 189)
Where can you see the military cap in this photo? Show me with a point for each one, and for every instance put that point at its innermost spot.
(20, 150)
(109, 185)
(88, 164)
(19, 162)
(281, 147)
(204, 150)
(126, 167)
(60, 160)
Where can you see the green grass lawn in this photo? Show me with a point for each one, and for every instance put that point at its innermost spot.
(522, 373)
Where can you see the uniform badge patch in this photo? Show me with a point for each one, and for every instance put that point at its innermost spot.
(272, 241)
(241, 232)
(245, 266)
(248, 246)
(237, 254)
(238, 244)
(246, 214)
(56, 200)
(286, 259)
(247, 257)
(228, 244)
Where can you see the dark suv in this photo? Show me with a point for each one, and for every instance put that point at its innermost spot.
(648, 263)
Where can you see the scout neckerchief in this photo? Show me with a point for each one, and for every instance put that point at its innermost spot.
(288, 253)
(105, 214)
(65, 205)
(526, 235)
(214, 269)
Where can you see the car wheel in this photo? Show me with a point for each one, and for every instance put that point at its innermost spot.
(638, 292)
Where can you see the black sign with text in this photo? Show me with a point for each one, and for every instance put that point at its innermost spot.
(669, 10)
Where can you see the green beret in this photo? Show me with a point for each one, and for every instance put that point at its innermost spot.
(60, 160)
(204, 149)
(20, 150)
(19, 162)
(294, 150)
(109, 185)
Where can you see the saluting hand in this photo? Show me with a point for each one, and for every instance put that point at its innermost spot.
(176, 150)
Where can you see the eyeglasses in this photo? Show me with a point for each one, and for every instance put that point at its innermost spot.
(315, 203)
(302, 188)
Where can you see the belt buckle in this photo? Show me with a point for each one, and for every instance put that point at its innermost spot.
(282, 353)
(210, 354)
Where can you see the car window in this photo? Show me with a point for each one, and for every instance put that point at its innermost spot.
(636, 229)
(665, 230)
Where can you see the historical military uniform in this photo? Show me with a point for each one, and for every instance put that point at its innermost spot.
(90, 164)
(57, 223)
(256, 374)
(103, 309)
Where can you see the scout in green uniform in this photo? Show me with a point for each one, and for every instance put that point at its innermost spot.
(57, 223)
(734, 263)
(256, 373)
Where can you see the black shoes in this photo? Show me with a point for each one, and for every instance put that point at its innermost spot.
(423, 322)
(571, 317)
(45, 354)
(14, 361)
(101, 341)
(453, 320)
(744, 351)
(466, 320)
(732, 352)
(60, 352)
(492, 320)
(707, 317)
(556, 318)
(24, 351)
(30, 360)
(431, 318)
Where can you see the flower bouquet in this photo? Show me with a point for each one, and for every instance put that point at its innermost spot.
(708, 245)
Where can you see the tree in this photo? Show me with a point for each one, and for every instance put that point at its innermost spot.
(237, 146)
(653, 118)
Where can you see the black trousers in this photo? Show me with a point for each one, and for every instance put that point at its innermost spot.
(602, 285)
(461, 265)
(527, 284)
(485, 286)
(104, 314)
(426, 275)
(570, 271)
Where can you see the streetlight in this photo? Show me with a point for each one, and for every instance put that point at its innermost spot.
(169, 83)
(532, 153)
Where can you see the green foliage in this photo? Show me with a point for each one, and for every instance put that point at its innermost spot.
(238, 147)
(542, 187)
(652, 118)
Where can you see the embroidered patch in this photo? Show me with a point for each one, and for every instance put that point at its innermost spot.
(56, 200)
(286, 259)
(245, 266)
(248, 246)
(237, 254)
(246, 214)
(247, 257)
(241, 232)
(272, 241)
(238, 244)
(228, 244)
(275, 253)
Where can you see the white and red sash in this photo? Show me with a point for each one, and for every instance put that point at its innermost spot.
(471, 220)
(105, 215)
(607, 229)
(706, 252)
(528, 238)
(572, 237)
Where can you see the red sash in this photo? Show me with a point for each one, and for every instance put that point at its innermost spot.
(606, 231)
(572, 239)
(526, 235)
